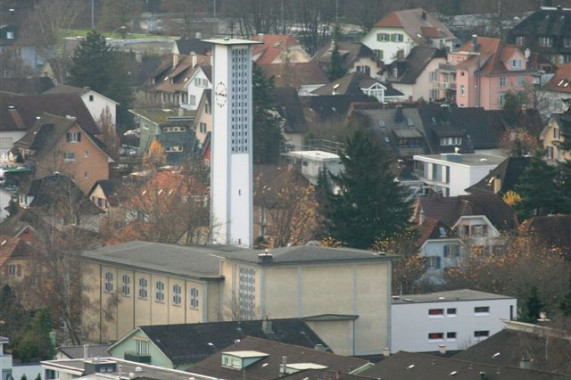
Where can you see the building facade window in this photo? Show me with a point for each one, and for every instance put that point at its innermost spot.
(521, 81)
(193, 298)
(481, 334)
(516, 63)
(379, 53)
(462, 90)
(502, 81)
(12, 270)
(159, 291)
(451, 335)
(383, 37)
(435, 336)
(108, 285)
(69, 156)
(451, 312)
(502, 99)
(545, 41)
(451, 251)
(435, 312)
(202, 127)
(247, 292)
(10, 35)
(73, 137)
(142, 347)
(481, 310)
(126, 285)
(520, 40)
(176, 294)
(397, 37)
(433, 262)
(556, 133)
(451, 141)
(143, 288)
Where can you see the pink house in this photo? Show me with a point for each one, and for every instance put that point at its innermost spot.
(482, 72)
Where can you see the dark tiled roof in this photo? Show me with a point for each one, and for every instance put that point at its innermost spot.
(349, 84)
(112, 190)
(191, 343)
(35, 85)
(334, 106)
(316, 374)
(349, 52)
(546, 352)
(508, 171)
(67, 89)
(414, 366)
(441, 122)
(551, 230)
(29, 107)
(188, 45)
(77, 352)
(449, 209)
(269, 366)
(416, 61)
(289, 107)
(307, 254)
(295, 74)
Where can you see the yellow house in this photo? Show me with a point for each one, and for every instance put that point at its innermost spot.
(343, 294)
(551, 135)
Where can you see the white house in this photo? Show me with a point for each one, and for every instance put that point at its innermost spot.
(312, 161)
(394, 36)
(440, 254)
(96, 103)
(450, 174)
(450, 320)
(5, 360)
(199, 81)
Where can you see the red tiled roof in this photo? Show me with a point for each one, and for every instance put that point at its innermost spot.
(493, 54)
(273, 45)
(295, 74)
(429, 32)
(391, 20)
(561, 81)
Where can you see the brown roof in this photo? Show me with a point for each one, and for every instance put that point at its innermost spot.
(273, 45)
(295, 74)
(268, 367)
(12, 247)
(173, 79)
(19, 112)
(449, 209)
(561, 81)
(552, 230)
(349, 84)
(493, 54)
(413, 21)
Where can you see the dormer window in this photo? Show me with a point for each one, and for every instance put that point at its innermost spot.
(520, 40)
(73, 137)
(545, 41)
(241, 359)
(516, 63)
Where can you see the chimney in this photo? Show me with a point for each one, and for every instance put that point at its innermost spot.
(283, 365)
(442, 349)
(399, 115)
(497, 184)
(85, 351)
(194, 59)
(386, 352)
(175, 58)
(267, 327)
(474, 43)
(524, 362)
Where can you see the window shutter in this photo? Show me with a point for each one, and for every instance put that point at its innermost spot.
(18, 270)
(438, 259)
(446, 251)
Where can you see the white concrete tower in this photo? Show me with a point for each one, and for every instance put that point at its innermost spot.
(231, 155)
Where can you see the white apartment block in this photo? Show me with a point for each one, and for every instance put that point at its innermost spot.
(450, 320)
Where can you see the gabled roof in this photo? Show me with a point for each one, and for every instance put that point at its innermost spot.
(492, 56)
(112, 189)
(416, 61)
(349, 84)
(77, 352)
(188, 45)
(20, 112)
(295, 74)
(449, 210)
(305, 254)
(33, 85)
(12, 247)
(413, 21)
(288, 106)
(268, 367)
(528, 119)
(273, 45)
(561, 81)
(67, 89)
(349, 52)
(174, 79)
(546, 350)
(191, 343)
(546, 21)
(509, 172)
(334, 106)
(445, 121)
(413, 366)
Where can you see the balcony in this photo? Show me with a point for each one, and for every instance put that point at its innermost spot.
(135, 357)
(446, 68)
(444, 85)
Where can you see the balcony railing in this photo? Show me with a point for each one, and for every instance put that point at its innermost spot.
(134, 357)
(447, 67)
(444, 85)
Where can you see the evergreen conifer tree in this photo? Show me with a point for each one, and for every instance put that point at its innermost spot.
(336, 70)
(365, 203)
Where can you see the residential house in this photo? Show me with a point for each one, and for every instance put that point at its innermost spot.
(59, 202)
(399, 129)
(358, 83)
(62, 144)
(199, 82)
(312, 162)
(185, 46)
(83, 351)
(452, 226)
(277, 48)
(456, 319)
(355, 56)
(180, 346)
(483, 71)
(14, 259)
(19, 113)
(551, 136)
(503, 178)
(264, 359)
(556, 93)
(413, 75)
(450, 174)
(393, 37)
(173, 129)
(343, 294)
(102, 109)
(331, 108)
(523, 345)
(304, 76)
(168, 86)
(5, 359)
(203, 119)
(547, 31)
(292, 119)
(445, 128)
(410, 366)
(109, 196)
(11, 40)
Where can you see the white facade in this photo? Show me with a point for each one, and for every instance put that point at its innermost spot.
(441, 254)
(5, 360)
(312, 161)
(452, 320)
(450, 174)
(97, 103)
(423, 86)
(388, 42)
(231, 158)
(198, 82)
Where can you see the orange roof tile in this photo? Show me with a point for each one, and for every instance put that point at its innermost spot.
(391, 20)
(273, 45)
(8, 245)
(561, 81)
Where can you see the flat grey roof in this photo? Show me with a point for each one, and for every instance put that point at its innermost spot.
(448, 296)
(194, 262)
(232, 41)
(472, 159)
